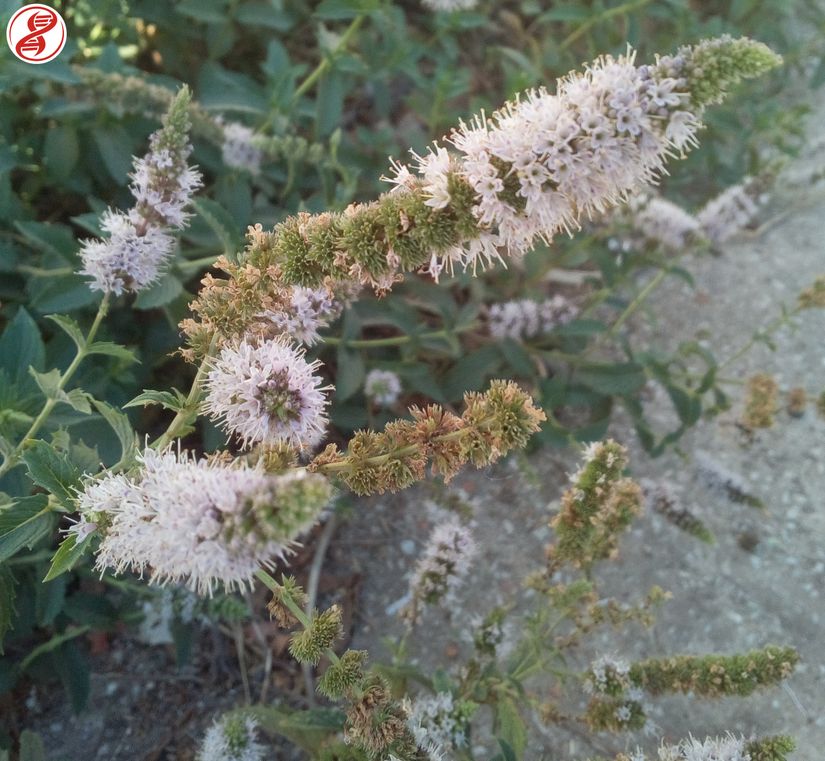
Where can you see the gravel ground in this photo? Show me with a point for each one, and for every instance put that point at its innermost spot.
(760, 583)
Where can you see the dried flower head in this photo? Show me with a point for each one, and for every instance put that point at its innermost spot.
(813, 297)
(266, 392)
(205, 523)
(662, 500)
(797, 401)
(761, 402)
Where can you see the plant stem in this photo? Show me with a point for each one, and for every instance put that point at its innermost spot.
(326, 62)
(190, 405)
(82, 352)
(293, 606)
(372, 343)
(619, 10)
(760, 335)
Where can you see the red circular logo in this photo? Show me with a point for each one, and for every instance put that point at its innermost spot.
(36, 34)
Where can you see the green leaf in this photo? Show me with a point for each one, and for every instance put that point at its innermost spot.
(115, 147)
(123, 430)
(111, 349)
(510, 726)
(159, 294)
(7, 596)
(52, 470)
(31, 747)
(21, 347)
(73, 670)
(329, 103)
(307, 729)
(614, 379)
(221, 222)
(49, 238)
(70, 327)
(79, 400)
(48, 383)
(336, 10)
(471, 372)
(49, 599)
(350, 373)
(23, 523)
(518, 358)
(171, 400)
(68, 554)
(61, 151)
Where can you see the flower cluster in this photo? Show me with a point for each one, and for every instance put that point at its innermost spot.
(495, 422)
(233, 738)
(309, 310)
(443, 566)
(534, 168)
(140, 241)
(661, 221)
(732, 210)
(265, 392)
(239, 150)
(521, 319)
(760, 401)
(729, 748)
(206, 523)
(382, 387)
(597, 507)
(439, 720)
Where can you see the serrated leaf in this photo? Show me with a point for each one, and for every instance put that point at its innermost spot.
(52, 470)
(123, 430)
(171, 400)
(23, 523)
(48, 382)
(7, 597)
(79, 400)
(70, 327)
(111, 349)
(68, 554)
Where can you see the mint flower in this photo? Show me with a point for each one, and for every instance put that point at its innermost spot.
(140, 242)
(233, 738)
(205, 523)
(266, 392)
(521, 319)
(382, 387)
(239, 150)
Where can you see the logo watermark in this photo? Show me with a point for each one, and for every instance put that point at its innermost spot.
(36, 33)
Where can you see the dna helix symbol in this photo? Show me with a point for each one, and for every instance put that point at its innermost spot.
(34, 43)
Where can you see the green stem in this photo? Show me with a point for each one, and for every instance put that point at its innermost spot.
(293, 606)
(189, 409)
(322, 67)
(759, 336)
(619, 10)
(373, 343)
(82, 352)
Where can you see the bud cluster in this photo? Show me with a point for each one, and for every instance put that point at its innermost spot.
(494, 422)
